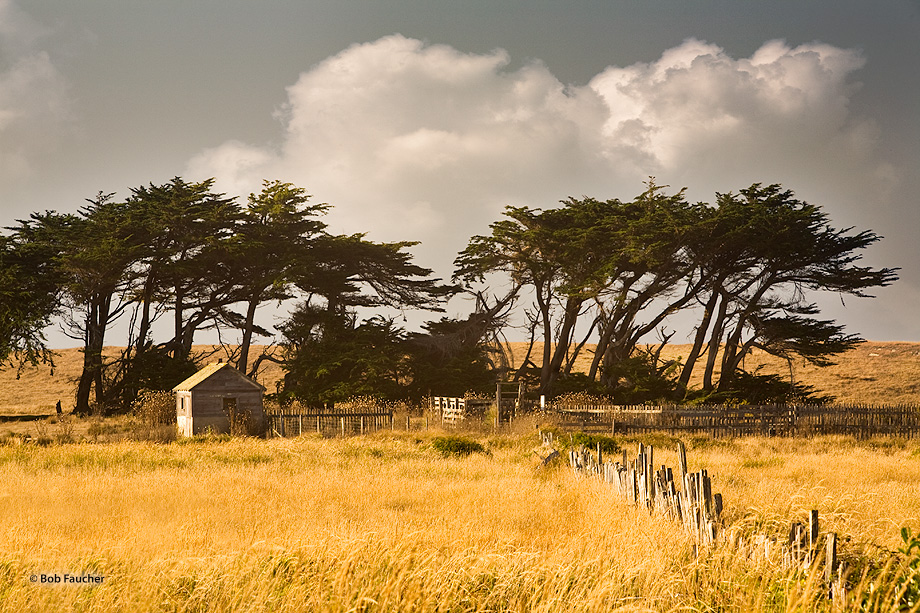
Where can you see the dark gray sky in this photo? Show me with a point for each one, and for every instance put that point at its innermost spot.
(420, 120)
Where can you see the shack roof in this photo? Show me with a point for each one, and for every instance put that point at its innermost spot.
(207, 372)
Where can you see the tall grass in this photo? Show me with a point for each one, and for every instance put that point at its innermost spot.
(386, 523)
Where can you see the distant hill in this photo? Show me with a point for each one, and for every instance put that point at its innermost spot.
(874, 372)
(883, 373)
(38, 389)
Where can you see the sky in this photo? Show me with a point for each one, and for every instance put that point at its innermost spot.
(422, 119)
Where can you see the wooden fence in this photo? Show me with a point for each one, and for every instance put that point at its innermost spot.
(743, 420)
(644, 485)
(699, 510)
(340, 423)
(454, 411)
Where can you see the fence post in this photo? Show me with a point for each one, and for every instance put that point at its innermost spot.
(813, 531)
(498, 406)
(681, 459)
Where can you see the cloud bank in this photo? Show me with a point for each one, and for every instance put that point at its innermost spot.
(419, 141)
(33, 95)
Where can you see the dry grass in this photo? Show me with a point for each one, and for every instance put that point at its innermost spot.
(882, 373)
(384, 523)
(37, 389)
(874, 372)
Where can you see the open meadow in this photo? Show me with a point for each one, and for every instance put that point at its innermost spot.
(387, 523)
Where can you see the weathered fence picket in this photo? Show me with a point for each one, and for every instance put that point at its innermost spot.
(285, 423)
(641, 484)
(454, 411)
(862, 420)
(699, 510)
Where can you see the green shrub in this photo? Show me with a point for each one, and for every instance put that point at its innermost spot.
(908, 584)
(456, 446)
(608, 443)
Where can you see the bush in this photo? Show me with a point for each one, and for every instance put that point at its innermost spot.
(155, 408)
(608, 443)
(456, 446)
(241, 421)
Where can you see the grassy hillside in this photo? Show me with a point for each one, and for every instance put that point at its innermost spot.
(874, 372)
(36, 390)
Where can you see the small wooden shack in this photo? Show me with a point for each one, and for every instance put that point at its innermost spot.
(213, 396)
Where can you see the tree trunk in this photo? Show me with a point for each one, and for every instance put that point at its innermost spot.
(543, 303)
(243, 363)
(715, 342)
(94, 339)
(143, 332)
(561, 349)
(177, 324)
(699, 339)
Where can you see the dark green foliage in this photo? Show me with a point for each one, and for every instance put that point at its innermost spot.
(29, 290)
(909, 581)
(152, 369)
(640, 378)
(590, 441)
(330, 359)
(451, 358)
(760, 389)
(623, 269)
(330, 353)
(572, 383)
(456, 446)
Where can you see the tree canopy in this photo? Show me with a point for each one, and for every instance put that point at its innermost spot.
(746, 266)
(601, 278)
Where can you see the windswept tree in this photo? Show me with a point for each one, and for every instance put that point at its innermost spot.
(331, 352)
(275, 236)
(29, 295)
(187, 271)
(91, 256)
(767, 254)
(451, 357)
(648, 274)
(546, 252)
(747, 265)
(184, 273)
(604, 261)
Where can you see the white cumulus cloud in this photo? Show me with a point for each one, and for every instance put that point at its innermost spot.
(420, 141)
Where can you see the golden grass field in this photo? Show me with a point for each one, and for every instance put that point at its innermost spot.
(384, 523)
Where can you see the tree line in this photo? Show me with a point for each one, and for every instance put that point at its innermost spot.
(182, 257)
